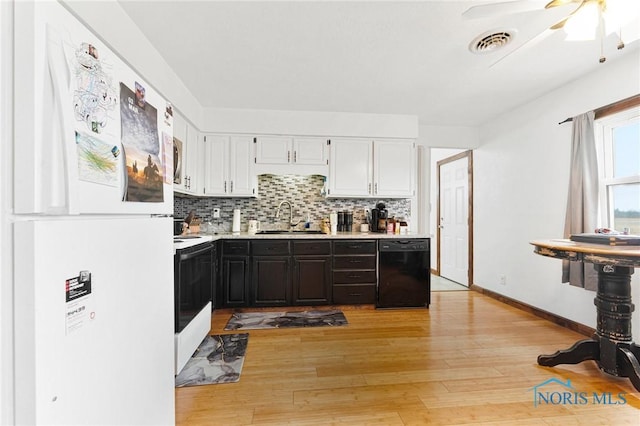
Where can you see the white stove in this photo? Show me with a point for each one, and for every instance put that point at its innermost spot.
(185, 241)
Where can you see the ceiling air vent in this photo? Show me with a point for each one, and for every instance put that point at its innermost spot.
(491, 41)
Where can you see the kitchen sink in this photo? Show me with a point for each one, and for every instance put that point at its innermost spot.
(282, 232)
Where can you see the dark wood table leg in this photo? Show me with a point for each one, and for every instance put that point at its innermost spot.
(582, 350)
(629, 366)
(611, 347)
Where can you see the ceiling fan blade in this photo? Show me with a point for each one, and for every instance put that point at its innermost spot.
(500, 8)
(526, 45)
(556, 3)
(559, 24)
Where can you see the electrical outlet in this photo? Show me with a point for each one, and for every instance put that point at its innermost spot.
(216, 213)
(503, 280)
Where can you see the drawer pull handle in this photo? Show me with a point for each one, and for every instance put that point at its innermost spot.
(355, 294)
(356, 247)
(354, 276)
(355, 261)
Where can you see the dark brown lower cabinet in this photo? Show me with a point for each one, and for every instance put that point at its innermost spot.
(285, 273)
(278, 272)
(270, 272)
(311, 272)
(312, 280)
(271, 281)
(354, 272)
(234, 274)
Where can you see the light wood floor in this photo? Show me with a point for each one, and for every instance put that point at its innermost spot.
(468, 359)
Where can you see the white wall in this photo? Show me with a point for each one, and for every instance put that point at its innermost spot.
(139, 53)
(309, 123)
(458, 138)
(109, 21)
(521, 171)
(449, 136)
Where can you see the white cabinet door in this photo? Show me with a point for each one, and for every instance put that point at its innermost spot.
(228, 168)
(350, 167)
(193, 157)
(393, 168)
(288, 150)
(179, 141)
(310, 151)
(216, 170)
(242, 179)
(274, 150)
(187, 156)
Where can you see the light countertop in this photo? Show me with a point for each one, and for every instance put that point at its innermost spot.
(304, 235)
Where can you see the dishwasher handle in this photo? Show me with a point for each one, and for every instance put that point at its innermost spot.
(404, 245)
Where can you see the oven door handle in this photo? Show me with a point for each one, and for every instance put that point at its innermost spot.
(193, 254)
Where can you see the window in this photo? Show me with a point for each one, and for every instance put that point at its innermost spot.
(618, 142)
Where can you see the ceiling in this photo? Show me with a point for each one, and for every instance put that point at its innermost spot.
(368, 57)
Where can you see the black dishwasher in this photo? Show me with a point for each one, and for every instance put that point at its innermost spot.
(404, 273)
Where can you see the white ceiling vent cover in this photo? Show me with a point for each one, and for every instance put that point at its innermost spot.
(491, 41)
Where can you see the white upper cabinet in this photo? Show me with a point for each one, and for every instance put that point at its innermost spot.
(291, 155)
(216, 164)
(228, 167)
(393, 168)
(310, 151)
(186, 156)
(351, 168)
(274, 150)
(367, 168)
(244, 181)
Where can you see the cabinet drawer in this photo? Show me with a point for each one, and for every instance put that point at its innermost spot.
(270, 248)
(235, 248)
(354, 247)
(352, 277)
(354, 262)
(354, 294)
(312, 247)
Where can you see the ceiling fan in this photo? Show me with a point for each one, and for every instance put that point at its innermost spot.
(591, 19)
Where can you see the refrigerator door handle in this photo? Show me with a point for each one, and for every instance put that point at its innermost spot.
(57, 67)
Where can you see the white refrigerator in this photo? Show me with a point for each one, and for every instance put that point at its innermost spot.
(93, 256)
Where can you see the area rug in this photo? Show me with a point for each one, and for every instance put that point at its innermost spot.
(218, 359)
(261, 320)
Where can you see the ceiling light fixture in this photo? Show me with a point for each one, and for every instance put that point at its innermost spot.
(583, 24)
(598, 18)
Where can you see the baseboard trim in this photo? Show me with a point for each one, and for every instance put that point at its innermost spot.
(561, 321)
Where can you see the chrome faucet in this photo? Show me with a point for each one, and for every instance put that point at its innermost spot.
(291, 223)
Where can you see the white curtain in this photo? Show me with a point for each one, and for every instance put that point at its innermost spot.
(582, 203)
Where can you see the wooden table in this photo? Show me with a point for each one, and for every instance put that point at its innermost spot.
(611, 346)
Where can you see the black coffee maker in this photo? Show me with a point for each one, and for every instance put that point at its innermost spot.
(379, 217)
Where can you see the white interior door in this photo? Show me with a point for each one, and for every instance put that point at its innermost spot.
(454, 219)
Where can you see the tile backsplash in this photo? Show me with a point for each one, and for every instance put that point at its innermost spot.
(303, 192)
